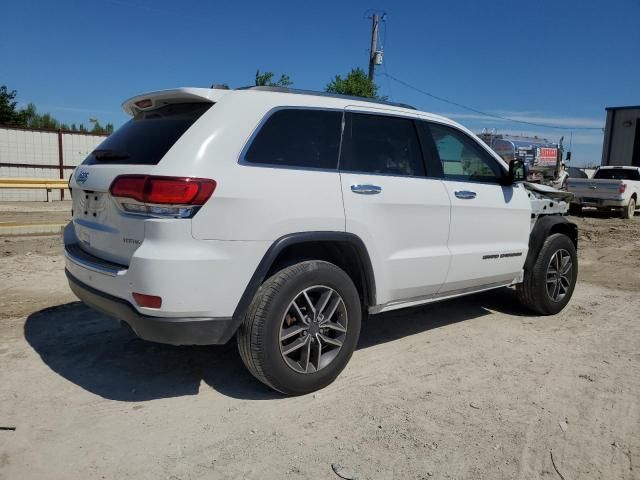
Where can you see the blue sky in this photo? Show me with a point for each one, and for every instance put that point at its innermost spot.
(553, 62)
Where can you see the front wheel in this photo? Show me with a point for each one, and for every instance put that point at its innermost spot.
(549, 284)
(301, 328)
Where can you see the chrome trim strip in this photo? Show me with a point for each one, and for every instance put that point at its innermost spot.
(435, 297)
(102, 267)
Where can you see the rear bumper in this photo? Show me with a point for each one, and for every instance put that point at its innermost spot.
(171, 330)
(194, 278)
(599, 202)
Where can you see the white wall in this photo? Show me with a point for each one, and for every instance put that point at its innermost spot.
(40, 147)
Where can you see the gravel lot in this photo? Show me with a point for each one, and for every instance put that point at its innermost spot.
(474, 388)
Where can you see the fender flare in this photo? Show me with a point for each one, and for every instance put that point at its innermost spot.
(281, 243)
(545, 226)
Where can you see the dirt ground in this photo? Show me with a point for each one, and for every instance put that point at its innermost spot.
(34, 212)
(471, 389)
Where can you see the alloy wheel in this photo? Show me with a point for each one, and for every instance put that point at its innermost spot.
(559, 275)
(313, 329)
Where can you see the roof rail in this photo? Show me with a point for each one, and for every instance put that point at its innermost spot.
(325, 94)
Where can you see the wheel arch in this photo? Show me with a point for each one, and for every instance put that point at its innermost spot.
(543, 228)
(346, 250)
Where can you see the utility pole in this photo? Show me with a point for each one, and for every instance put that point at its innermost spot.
(374, 41)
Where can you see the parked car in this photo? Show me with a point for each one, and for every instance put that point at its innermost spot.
(565, 173)
(285, 217)
(611, 188)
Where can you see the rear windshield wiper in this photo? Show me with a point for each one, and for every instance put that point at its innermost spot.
(110, 155)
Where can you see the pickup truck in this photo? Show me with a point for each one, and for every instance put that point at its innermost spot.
(611, 188)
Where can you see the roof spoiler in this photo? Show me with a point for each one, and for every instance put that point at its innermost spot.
(153, 100)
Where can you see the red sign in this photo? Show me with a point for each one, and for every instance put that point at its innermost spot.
(547, 156)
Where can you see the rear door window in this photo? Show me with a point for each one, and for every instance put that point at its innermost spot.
(381, 144)
(148, 136)
(297, 137)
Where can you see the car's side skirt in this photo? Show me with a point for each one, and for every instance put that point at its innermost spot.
(437, 297)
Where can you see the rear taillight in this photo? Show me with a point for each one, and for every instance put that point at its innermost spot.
(162, 196)
(623, 187)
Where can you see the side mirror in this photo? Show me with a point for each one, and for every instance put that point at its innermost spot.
(518, 171)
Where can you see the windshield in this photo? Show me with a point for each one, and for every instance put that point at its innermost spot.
(148, 136)
(618, 174)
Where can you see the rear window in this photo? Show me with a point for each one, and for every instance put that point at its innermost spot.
(298, 138)
(148, 136)
(617, 174)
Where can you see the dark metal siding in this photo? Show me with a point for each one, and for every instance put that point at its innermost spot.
(620, 136)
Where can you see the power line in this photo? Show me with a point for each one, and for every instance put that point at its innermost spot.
(480, 112)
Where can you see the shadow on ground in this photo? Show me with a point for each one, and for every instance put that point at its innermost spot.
(96, 353)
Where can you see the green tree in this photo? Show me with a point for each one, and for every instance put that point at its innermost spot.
(97, 128)
(30, 117)
(356, 83)
(27, 116)
(7, 105)
(47, 121)
(266, 79)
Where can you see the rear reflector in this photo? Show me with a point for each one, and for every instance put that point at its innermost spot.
(148, 301)
(623, 187)
(163, 190)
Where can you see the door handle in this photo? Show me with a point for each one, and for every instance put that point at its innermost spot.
(366, 189)
(465, 194)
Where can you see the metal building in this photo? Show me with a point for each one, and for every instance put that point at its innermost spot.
(622, 136)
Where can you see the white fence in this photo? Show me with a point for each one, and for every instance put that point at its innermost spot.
(34, 153)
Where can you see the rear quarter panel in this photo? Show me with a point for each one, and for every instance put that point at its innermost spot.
(251, 202)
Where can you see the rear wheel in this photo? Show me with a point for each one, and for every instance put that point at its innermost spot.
(549, 284)
(301, 328)
(630, 210)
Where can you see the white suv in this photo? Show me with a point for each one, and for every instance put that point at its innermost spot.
(285, 217)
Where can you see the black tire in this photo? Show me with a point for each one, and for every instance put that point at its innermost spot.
(259, 340)
(533, 292)
(630, 210)
(575, 209)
